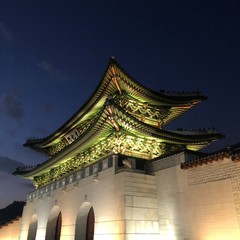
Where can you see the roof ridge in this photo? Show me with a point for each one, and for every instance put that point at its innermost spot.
(232, 151)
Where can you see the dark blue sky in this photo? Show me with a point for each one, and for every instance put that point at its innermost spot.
(54, 53)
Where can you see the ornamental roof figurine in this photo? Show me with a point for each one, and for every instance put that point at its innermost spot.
(121, 116)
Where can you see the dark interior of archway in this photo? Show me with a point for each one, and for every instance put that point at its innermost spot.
(90, 225)
(58, 227)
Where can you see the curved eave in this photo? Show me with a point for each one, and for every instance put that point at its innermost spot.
(231, 152)
(107, 87)
(141, 129)
(137, 90)
(99, 130)
(102, 128)
(177, 112)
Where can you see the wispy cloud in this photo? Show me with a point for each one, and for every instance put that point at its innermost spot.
(53, 71)
(48, 108)
(12, 108)
(11, 132)
(41, 132)
(8, 57)
(3, 176)
(27, 185)
(5, 33)
(8, 165)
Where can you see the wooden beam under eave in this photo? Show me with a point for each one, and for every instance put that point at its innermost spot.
(114, 78)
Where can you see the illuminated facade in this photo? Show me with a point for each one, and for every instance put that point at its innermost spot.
(115, 173)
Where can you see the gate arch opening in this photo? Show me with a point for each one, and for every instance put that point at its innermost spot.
(32, 230)
(54, 225)
(85, 221)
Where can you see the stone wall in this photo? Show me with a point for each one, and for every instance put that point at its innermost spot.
(124, 203)
(104, 195)
(140, 207)
(10, 231)
(199, 203)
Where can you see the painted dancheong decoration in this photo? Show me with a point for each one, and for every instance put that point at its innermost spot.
(121, 116)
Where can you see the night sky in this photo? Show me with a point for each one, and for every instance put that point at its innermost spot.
(54, 53)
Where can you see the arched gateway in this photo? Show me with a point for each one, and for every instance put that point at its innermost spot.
(84, 228)
(54, 224)
(103, 152)
(32, 231)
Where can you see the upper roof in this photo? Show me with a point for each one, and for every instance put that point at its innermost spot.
(114, 125)
(116, 82)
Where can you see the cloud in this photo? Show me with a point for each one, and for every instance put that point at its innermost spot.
(53, 71)
(5, 33)
(8, 57)
(27, 185)
(3, 176)
(40, 131)
(48, 108)
(12, 107)
(11, 132)
(8, 165)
